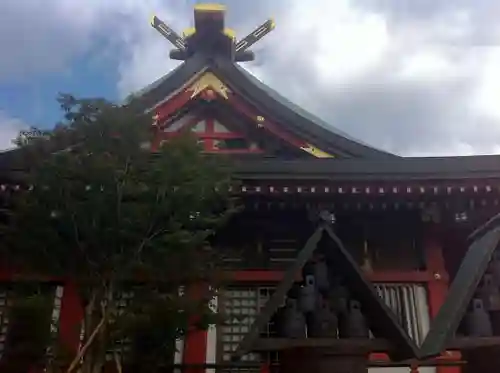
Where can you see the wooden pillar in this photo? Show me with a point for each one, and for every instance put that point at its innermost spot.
(264, 368)
(70, 319)
(209, 130)
(195, 349)
(438, 286)
(195, 341)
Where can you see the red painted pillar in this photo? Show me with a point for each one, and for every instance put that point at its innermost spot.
(195, 342)
(71, 318)
(264, 368)
(438, 286)
(210, 130)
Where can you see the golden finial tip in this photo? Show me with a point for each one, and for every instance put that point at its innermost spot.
(209, 8)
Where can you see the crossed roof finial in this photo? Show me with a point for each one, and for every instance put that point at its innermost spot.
(210, 37)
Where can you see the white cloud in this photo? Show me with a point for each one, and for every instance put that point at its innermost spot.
(418, 79)
(343, 41)
(9, 129)
(487, 95)
(427, 85)
(426, 65)
(47, 36)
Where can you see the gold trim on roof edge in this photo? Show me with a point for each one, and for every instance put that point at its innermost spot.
(209, 8)
(208, 80)
(318, 153)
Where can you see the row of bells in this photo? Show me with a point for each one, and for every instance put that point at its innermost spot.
(320, 308)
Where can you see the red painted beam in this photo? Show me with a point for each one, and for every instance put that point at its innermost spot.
(172, 105)
(204, 135)
(273, 276)
(193, 121)
(267, 125)
(237, 151)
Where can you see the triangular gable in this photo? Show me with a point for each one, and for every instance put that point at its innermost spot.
(483, 243)
(209, 88)
(232, 130)
(381, 320)
(224, 81)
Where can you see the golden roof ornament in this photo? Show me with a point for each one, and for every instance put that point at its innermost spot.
(208, 81)
(318, 153)
(210, 36)
(156, 117)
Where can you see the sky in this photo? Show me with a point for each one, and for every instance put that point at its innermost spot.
(417, 78)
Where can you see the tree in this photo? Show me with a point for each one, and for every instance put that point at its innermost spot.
(113, 217)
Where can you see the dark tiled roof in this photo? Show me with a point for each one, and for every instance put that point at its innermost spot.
(398, 168)
(297, 120)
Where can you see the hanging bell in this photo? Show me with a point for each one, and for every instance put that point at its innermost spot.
(294, 291)
(320, 272)
(477, 321)
(277, 321)
(338, 297)
(495, 322)
(308, 269)
(308, 295)
(353, 323)
(294, 324)
(322, 323)
(489, 293)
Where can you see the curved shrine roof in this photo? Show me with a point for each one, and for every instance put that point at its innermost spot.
(247, 87)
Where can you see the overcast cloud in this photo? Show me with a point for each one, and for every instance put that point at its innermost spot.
(412, 77)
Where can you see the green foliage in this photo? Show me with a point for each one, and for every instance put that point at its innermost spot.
(29, 328)
(104, 211)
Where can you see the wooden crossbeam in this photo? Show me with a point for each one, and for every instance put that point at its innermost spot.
(168, 33)
(277, 298)
(209, 27)
(255, 36)
(484, 242)
(381, 319)
(372, 345)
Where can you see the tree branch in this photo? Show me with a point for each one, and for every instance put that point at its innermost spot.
(86, 346)
(117, 362)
